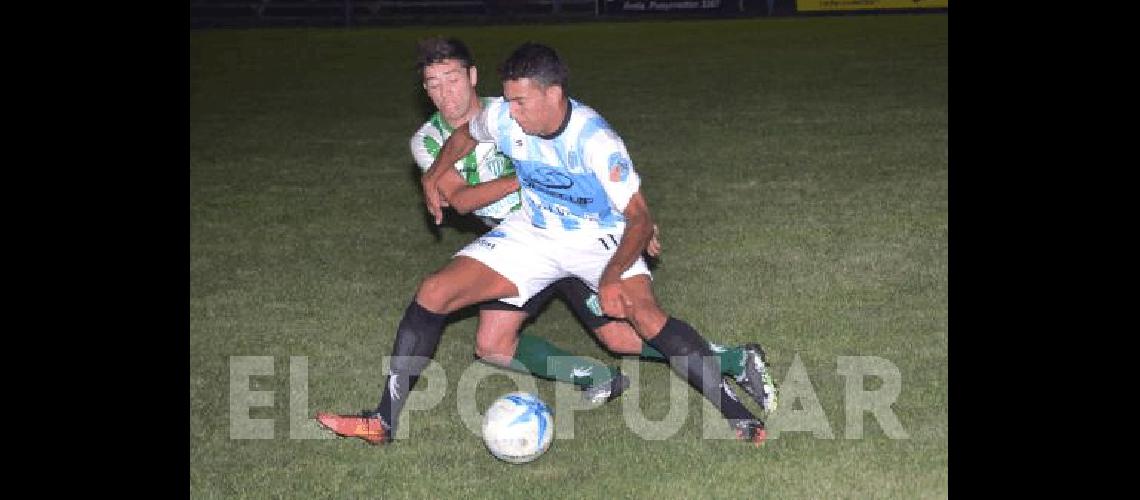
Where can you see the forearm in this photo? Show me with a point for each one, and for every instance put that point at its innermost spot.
(468, 198)
(638, 232)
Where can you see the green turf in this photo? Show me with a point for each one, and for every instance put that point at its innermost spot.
(796, 166)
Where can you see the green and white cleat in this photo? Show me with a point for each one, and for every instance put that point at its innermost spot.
(606, 391)
(756, 379)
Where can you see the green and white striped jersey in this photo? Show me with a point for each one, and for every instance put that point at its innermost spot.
(483, 164)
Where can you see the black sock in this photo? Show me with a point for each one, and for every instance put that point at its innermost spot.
(690, 357)
(416, 340)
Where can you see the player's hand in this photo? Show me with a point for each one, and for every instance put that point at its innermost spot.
(433, 198)
(614, 301)
(654, 247)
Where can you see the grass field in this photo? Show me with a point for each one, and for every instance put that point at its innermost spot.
(797, 168)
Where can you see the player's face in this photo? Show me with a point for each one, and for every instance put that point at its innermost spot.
(537, 109)
(451, 88)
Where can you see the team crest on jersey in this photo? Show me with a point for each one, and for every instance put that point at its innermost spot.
(497, 164)
(619, 167)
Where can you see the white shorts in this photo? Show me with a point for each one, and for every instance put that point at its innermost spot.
(532, 258)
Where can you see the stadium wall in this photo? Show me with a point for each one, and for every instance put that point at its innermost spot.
(225, 13)
(253, 13)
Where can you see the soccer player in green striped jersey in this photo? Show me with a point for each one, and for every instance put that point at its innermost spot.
(483, 164)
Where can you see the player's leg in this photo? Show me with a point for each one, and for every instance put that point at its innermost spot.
(621, 338)
(746, 364)
(498, 341)
(462, 282)
(491, 343)
(507, 263)
(689, 355)
(618, 336)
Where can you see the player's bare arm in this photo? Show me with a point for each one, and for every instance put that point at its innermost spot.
(635, 239)
(457, 145)
(465, 198)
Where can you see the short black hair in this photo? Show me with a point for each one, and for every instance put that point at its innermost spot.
(436, 49)
(537, 62)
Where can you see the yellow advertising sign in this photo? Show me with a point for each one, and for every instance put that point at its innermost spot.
(810, 5)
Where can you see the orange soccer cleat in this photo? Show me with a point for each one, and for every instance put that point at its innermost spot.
(366, 426)
(751, 431)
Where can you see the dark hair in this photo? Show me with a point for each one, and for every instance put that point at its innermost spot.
(537, 62)
(436, 49)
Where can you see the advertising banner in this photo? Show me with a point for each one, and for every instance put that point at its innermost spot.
(645, 5)
(822, 5)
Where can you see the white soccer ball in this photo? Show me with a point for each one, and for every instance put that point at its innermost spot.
(518, 427)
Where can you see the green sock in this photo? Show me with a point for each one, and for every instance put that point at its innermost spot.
(731, 358)
(546, 360)
(647, 351)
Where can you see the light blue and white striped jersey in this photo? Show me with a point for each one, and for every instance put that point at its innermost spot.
(581, 179)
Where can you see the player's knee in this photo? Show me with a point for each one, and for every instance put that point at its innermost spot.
(648, 318)
(497, 349)
(434, 294)
(485, 345)
(483, 351)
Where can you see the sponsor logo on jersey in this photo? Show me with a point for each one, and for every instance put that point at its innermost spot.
(577, 200)
(552, 179)
(552, 183)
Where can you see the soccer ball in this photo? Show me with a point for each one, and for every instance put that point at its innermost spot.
(518, 427)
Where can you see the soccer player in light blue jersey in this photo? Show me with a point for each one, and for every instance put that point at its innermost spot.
(582, 218)
(449, 77)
